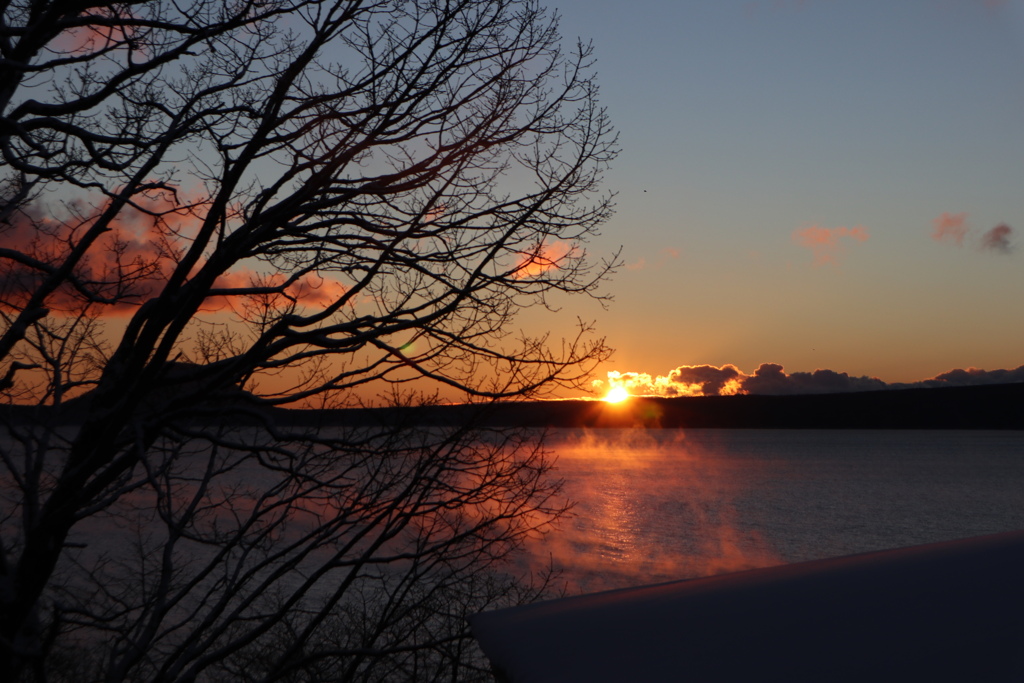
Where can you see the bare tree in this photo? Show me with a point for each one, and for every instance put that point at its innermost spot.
(212, 208)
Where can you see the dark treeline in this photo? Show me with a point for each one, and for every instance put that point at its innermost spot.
(980, 407)
(999, 406)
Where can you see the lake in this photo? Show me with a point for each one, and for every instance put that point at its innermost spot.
(661, 505)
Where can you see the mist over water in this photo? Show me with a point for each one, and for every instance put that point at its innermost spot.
(667, 504)
(661, 505)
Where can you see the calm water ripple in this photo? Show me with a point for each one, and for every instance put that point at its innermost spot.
(661, 505)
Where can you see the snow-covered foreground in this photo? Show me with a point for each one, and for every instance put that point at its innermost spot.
(946, 611)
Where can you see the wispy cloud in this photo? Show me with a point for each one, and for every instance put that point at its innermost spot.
(541, 258)
(953, 228)
(827, 244)
(997, 239)
(133, 259)
(665, 254)
(119, 30)
(130, 262)
(950, 227)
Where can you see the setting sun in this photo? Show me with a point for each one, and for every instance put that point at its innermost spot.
(616, 395)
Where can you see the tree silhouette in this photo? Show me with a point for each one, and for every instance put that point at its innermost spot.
(212, 208)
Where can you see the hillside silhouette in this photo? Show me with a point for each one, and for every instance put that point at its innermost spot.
(999, 406)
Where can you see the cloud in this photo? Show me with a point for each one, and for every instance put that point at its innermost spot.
(825, 243)
(772, 379)
(665, 254)
(997, 239)
(968, 377)
(93, 38)
(434, 213)
(311, 289)
(950, 227)
(685, 380)
(132, 261)
(125, 265)
(315, 290)
(640, 384)
(708, 380)
(542, 258)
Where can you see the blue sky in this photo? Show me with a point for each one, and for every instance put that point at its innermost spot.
(752, 129)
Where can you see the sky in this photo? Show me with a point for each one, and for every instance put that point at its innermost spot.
(816, 184)
(811, 194)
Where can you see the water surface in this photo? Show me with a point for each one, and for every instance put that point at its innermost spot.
(660, 505)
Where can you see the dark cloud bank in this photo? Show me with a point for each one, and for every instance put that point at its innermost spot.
(772, 379)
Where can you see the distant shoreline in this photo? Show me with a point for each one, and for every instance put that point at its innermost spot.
(993, 406)
(997, 406)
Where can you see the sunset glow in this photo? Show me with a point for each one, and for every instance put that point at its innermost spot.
(542, 258)
(616, 395)
(810, 269)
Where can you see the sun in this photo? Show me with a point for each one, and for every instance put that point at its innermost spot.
(616, 395)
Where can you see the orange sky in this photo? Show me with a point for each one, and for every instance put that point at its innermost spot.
(815, 185)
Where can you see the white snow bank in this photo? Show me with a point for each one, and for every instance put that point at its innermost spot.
(945, 611)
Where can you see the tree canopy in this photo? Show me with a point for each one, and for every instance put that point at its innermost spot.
(207, 207)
